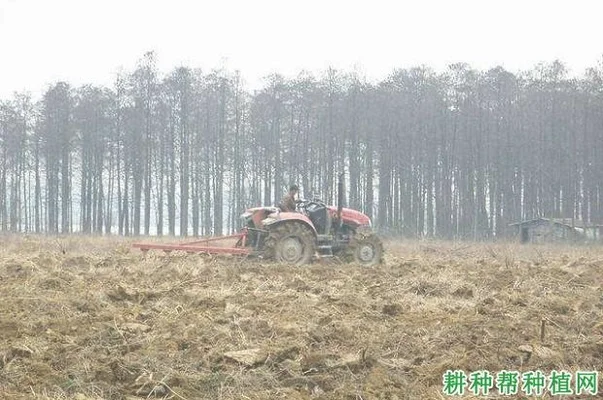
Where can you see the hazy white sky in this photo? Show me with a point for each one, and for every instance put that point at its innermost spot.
(88, 41)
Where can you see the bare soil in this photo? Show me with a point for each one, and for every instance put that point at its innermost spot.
(90, 318)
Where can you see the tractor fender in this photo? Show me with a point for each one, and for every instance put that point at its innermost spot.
(283, 217)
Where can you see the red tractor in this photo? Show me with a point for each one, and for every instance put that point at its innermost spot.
(314, 229)
(293, 237)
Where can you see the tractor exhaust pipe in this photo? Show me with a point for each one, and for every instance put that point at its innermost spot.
(339, 199)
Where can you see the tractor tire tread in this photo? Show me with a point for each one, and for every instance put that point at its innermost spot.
(361, 236)
(285, 229)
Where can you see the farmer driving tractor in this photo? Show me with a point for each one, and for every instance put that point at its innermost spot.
(288, 202)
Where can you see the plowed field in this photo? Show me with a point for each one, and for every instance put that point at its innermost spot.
(89, 318)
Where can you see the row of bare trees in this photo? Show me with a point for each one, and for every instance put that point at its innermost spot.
(456, 154)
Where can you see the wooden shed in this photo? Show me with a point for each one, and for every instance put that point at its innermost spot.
(548, 230)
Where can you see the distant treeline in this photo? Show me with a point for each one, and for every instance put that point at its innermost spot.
(456, 154)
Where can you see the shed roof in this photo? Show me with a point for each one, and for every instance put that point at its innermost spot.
(557, 221)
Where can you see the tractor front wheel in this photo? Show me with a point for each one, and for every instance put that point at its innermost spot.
(365, 248)
(290, 243)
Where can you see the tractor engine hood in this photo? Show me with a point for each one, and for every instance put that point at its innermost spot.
(351, 217)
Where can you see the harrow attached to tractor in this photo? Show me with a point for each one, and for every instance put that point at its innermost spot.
(203, 246)
(315, 229)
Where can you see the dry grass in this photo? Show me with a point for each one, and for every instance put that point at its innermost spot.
(86, 318)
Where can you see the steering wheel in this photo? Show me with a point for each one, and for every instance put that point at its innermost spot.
(302, 205)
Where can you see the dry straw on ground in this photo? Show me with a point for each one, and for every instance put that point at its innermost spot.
(87, 318)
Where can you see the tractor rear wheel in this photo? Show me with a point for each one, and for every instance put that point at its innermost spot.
(290, 243)
(365, 248)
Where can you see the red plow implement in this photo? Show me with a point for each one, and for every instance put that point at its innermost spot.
(231, 244)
